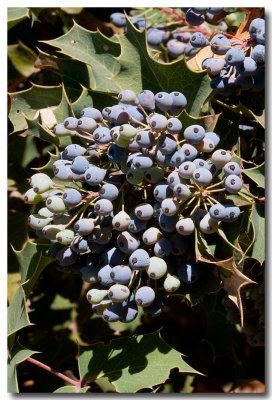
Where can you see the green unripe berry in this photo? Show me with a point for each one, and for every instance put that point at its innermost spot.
(134, 176)
(66, 236)
(55, 204)
(37, 221)
(171, 283)
(157, 268)
(127, 131)
(95, 296)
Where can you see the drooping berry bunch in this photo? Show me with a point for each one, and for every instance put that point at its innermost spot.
(242, 68)
(119, 209)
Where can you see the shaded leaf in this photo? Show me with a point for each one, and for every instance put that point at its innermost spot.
(257, 174)
(36, 129)
(90, 98)
(71, 389)
(17, 355)
(17, 314)
(16, 15)
(257, 250)
(33, 258)
(28, 102)
(250, 114)
(233, 282)
(131, 362)
(220, 344)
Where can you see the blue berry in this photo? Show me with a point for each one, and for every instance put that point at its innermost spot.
(121, 274)
(232, 212)
(147, 99)
(220, 44)
(233, 184)
(109, 191)
(234, 56)
(193, 18)
(144, 296)
(139, 260)
(175, 159)
(198, 40)
(71, 197)
(179, 102)
(217, 212)
(189, 272)
(116, 154)
(175, 48)
(118, 19)
(162, 247)
(93, 113)
(232, 168)
(202, 176)
(163, 101)
(161, 191)
(174, 125)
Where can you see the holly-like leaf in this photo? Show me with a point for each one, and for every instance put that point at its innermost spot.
(16, 15)
(47, 168)
(20, 64)
(32, 260)
(257, 250)
(233, 281)
(208, 121)
(27, 102)
(17, 313)
(131, 362)
(17, 355)
(71, 389)
(95, 50)
(257, 174)
(90, 98)
(36, 129)
(250, 115)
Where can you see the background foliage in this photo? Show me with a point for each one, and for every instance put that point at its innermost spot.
(58, 64)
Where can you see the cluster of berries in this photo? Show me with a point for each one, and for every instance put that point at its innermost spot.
(119, 210)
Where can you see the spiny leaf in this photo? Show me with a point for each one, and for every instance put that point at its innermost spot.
(250, 114)
(33, 258)
(94, 49)
(17, 313)
(256, 174)
(208, 121)
(90, 98)
(233, 282)
(47, 168)
(16, 15)
(36, 129)
(29, 101)
(257, 250)
(132, 362)
(16, 356)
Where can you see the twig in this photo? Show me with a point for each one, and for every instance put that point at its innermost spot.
(77, 384)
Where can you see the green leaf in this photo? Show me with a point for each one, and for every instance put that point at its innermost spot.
(95, 50)
(208, 121)
(16, 15)
(132, 362)
(257, 174)
(47, 168)
(17, 355)
(257, 250)
(27, 102)
(250, 114)
(36, 129)
(17, 313)
(71, 389)
(32, 260)
(89, 98)
(21, 61)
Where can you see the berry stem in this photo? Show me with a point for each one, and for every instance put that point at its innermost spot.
(77, 384)
(246, 198)
(140, 123)
(213, 186)
(216, 190)
(213, 200)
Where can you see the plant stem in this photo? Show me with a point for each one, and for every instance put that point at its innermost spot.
(77, 384)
